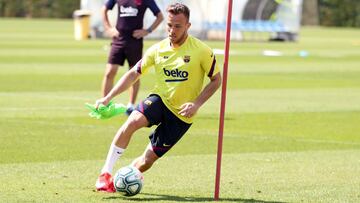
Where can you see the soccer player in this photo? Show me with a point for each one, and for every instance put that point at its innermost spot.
(181, 63)
(127, 39)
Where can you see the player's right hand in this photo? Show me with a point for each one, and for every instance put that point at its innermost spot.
(105, 101)
(112, 32)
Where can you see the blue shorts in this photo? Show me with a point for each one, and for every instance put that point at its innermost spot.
(130, 51)
(169, 127)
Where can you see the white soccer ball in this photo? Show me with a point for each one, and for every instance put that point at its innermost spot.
(128, 180)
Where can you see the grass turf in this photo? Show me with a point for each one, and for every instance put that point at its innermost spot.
(291, 130)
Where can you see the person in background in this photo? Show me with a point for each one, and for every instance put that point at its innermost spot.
(127, 39)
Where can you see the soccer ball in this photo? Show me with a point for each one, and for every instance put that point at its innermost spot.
(128, 180)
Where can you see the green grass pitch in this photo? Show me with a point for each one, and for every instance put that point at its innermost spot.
(292, 130)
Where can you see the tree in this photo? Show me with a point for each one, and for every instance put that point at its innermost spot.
(340, 13)
(38, 8)
(310, 13)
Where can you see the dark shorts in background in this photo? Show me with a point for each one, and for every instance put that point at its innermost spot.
(170, 128)
(130, 50)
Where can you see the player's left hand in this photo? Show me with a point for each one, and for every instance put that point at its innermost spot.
(188, 109)
(138, 34)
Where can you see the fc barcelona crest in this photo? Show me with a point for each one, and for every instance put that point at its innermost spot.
(186, 59)
(148, 102)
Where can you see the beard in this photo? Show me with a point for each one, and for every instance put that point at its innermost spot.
(179, 40)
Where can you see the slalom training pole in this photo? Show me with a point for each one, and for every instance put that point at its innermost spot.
(223, 102)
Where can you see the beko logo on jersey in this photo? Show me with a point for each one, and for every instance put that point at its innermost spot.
(128, 11)
(177, 74)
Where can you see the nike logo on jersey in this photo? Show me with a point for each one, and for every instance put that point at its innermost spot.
(178, 75)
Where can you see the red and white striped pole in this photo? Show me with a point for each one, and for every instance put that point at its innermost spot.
(223, 102)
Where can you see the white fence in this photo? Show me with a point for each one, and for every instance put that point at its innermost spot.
(208, 17)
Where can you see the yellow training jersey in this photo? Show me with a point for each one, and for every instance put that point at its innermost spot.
(179, 71)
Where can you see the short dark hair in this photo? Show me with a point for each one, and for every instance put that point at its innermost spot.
(178, 8)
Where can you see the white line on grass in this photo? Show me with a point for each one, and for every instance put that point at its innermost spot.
(273, 138)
